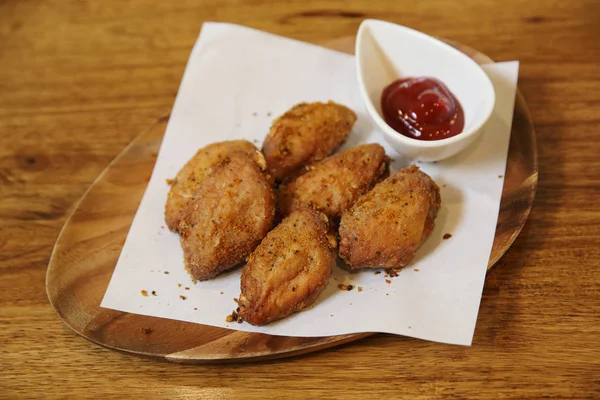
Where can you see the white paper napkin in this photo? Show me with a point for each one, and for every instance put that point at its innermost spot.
(236, 81)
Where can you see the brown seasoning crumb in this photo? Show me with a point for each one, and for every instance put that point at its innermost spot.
(360, 289)
(348, 288)
(388, 281)
(182, 297)
(144, 293)
(235, 316)
(392, 272)
(446, 236)
(154, 293)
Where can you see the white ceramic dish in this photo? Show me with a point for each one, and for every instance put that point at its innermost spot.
(386, 52)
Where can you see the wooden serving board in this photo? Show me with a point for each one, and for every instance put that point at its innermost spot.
(89, 245)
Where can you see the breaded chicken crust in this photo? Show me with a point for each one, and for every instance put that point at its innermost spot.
(305, 134)
(334, 184)
(230, 214)
(288, 270)
(385, 227)
(194, 172)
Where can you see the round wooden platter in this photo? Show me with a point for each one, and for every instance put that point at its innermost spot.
(88, 247)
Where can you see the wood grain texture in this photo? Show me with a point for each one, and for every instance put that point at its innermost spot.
(89, 245)
(80, 79)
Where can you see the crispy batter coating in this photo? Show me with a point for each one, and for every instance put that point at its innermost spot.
(385, 227)
(288, 270)
(334, 184)
(305, 134)
(230, 214)
(193, 173)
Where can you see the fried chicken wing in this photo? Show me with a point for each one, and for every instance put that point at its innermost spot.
(193, 173)
(305, 134)
(385, 227)
(288, 270)
(334, 184)
(230, 214)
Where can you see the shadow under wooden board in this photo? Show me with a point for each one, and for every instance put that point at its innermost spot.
(89, 245)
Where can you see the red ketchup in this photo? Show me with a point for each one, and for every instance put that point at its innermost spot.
(422, 108)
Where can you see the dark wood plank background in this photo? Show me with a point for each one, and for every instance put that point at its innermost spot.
(80, 79)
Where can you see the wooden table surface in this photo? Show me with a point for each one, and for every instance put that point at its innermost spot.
(80, 79)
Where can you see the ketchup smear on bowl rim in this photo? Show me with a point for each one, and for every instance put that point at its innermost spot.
(422, 108)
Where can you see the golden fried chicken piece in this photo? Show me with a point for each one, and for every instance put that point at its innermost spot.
(305, 134)
(230, 214)
(385, 227)
(288, 270)
(193, 173)
(334, 184)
